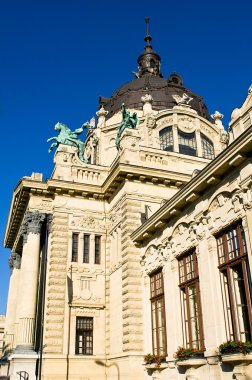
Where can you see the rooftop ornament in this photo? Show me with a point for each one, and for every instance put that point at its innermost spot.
(68, 137)
(128, 121)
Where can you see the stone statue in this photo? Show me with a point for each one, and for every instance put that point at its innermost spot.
(128, 121)
(68, 137)
(182, 100)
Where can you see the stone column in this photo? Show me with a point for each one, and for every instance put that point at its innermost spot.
(29, 280)
(14, 263)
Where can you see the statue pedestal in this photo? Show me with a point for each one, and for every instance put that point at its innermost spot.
(63, 160)
(129, 145)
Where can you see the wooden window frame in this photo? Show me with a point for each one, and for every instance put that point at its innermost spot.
(228, 265)
(75, 247)
(190, 278)
(84, 333)
(155, 298)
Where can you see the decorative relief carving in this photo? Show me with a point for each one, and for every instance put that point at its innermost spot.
(44, 204)
(186, 123)
(184, 99)
(86, 312)
(14, 261)
(115, 267)
(154, 258)
(88, 223)
(165, 122)
(114, 219)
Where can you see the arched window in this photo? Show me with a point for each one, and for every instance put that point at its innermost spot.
(187, 143)
(207, 147)
(166, 139)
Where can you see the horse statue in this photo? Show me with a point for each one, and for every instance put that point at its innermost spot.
(68, 137)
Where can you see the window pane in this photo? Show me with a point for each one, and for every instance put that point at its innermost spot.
(187, 143)
(75, 238)
(158, 314)
(207, 147)
(235, 279)
(86, 249)
(166, 139)
(84, 335)
(97, 249)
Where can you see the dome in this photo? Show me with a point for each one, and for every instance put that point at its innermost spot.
(166, 93)
(161, 90)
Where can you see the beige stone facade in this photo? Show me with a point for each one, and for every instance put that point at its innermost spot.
(86, 243)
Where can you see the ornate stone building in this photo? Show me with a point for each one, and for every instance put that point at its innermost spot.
(140, 242)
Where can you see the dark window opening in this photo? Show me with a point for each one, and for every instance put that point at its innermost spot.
(75, 239)
(97, 249)
(187, 143)
(166, 139)
(84, 336)
(86, 249)
(207, 147)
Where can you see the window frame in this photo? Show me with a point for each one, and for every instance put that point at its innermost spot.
(228, 266)
(155, 326)
(97, 249)
(86, 248)
(206, 143)
(186, 282)
(84, 333)
(166, 139)
(189, 149)
(75, 247)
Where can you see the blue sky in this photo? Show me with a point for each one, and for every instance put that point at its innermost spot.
(58, 56)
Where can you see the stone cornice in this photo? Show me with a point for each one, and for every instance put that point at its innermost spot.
(225, 162)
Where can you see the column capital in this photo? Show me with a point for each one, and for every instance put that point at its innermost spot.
(14, 260)
(32, 223)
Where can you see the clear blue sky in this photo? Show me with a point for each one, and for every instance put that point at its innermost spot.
(58, 56)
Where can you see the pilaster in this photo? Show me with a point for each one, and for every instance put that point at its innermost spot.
(56, 284)
(131, 280)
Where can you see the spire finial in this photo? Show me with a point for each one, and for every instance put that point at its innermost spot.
(147, 38)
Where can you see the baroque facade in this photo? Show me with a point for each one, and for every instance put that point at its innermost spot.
(141, 244)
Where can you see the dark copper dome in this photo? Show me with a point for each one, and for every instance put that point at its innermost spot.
(149, 80)
(161, 90)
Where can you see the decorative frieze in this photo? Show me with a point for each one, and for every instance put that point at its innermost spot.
(88, 223)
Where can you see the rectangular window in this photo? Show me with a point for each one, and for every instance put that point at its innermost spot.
(158, 314)
(97, 249)
(75, 239)
(190, 301)
(86, 246)
(235, 278)
(84, 336)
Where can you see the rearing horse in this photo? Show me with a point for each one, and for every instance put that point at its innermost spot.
(67, 137)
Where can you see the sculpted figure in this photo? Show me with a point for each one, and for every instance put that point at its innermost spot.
(128, 121)
(68, 137)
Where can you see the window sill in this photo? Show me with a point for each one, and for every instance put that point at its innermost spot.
(192, 362)
(235, 358)
(154, 366)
